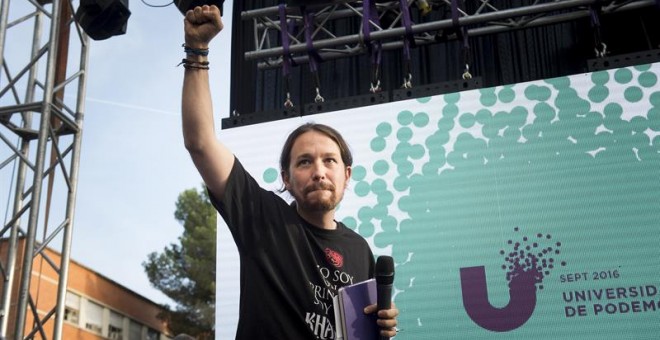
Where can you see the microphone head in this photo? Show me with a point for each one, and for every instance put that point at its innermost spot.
(385, 270)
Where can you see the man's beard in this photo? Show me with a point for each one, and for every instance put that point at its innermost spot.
(322, 204)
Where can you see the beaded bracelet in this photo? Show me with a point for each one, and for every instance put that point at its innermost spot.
(195, 51)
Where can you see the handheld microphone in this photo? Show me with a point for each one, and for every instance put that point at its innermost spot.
(384, 281)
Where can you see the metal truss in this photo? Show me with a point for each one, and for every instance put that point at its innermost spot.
(476, 17)
(37, 120)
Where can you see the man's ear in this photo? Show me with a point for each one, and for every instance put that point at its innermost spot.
(285, 179)
(349, 172)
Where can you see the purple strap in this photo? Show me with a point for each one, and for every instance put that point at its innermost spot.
(462, 34)
(408, 42)
(407, 23)
(370, 14)
(366, 25)
(466, 49)
(594, 10)
(595, 22)
(314, 57)
(286, 57)
(284, 33)
(454, 18)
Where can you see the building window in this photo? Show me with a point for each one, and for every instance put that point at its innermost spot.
(94, 318)
(152, 334)
(72, 308)
(134, 331)
(115, 326)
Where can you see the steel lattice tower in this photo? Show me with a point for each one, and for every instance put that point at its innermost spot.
(43, 52)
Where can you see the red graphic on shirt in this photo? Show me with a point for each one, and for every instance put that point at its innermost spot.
(334, 258)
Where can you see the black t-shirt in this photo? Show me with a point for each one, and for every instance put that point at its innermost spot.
(290, 269)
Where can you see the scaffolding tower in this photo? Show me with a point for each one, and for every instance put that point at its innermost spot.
(40, 132)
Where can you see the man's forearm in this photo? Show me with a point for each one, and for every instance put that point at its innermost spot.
(197, 108)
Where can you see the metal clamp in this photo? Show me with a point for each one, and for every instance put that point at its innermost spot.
(375, 87)
(467, 75)
(318, 98)
(407, 81)
(288, 103)
(602, 52)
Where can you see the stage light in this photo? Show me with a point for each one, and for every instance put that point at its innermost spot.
(102, 19)
(185, 5)
(424, 7)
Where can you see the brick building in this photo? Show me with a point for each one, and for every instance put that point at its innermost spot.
(96, 306)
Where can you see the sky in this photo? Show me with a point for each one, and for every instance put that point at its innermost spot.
(133, 163)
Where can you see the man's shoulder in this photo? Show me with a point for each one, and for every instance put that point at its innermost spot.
(350, 233)
(241, 185)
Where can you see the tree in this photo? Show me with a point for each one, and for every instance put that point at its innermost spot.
(185, 272)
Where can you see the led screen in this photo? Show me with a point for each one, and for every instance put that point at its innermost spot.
(526, 211)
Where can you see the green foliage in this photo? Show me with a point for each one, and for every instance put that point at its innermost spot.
(185, 272)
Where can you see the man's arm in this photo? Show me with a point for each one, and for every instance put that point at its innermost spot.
(213, 160)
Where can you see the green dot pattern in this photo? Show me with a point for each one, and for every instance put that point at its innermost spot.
(481, 162)
(270, 175)
(570, 163)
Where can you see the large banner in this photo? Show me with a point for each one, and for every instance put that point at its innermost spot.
(527, 211)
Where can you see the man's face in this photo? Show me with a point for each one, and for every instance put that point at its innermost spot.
(317, 175)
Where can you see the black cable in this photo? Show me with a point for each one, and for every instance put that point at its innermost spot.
(157, 6)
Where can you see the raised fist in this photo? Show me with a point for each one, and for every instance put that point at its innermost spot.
(201, 24)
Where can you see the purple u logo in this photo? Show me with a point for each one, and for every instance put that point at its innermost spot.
(522, 291)
(526, 265)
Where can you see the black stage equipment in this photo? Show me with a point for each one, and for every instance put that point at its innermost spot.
(102, 19)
